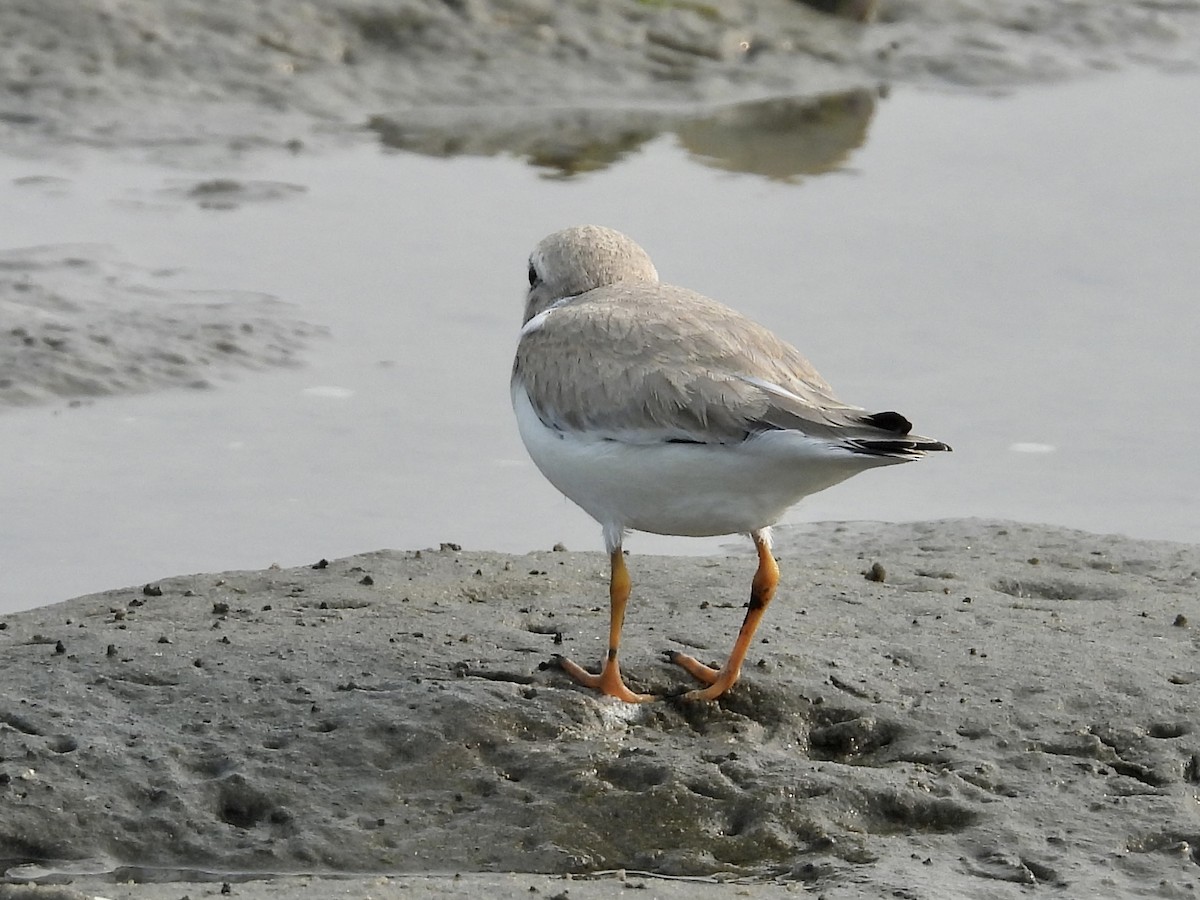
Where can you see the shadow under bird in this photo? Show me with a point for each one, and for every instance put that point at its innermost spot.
(657, 409)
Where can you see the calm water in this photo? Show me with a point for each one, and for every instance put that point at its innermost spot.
(1017, 275)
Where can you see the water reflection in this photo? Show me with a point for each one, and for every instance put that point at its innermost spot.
(782, 138)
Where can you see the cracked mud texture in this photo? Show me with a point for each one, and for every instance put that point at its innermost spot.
(1011, 705)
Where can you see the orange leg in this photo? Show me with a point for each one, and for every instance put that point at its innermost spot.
(609, 680)
(763, 590)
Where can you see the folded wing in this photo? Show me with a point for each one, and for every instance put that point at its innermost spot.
(656, 363)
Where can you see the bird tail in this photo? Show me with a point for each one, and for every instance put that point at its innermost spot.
(890, 436)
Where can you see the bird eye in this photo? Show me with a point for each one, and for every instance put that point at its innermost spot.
(533, 276)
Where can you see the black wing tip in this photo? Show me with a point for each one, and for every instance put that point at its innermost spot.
(899, 449)
(894, 423)
(888, 421)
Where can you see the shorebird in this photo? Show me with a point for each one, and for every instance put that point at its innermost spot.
(657, 409)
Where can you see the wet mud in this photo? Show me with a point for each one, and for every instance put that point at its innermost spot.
(1008, 705)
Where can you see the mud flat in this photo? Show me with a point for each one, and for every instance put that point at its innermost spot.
(957, 708)
(185, 73)
(81, 322)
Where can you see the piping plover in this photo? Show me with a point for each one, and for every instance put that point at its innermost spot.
(657, 409)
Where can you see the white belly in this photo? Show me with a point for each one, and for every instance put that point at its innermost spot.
(695, 490)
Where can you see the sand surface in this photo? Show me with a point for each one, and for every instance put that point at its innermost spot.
(1010, 706)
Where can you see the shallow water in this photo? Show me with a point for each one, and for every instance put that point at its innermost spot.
(1017, 275)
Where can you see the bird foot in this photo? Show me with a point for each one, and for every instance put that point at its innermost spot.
(718, 680)
(608, 682)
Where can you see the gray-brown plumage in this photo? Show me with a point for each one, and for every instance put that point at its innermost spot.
(657, 409)
(642, 361)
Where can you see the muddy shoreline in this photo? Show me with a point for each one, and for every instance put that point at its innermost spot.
(183, 74)
(1011, 705)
